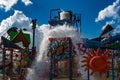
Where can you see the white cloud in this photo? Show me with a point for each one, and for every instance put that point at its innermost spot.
(110, 22)
(18, 19)
(27, 2)
(116, 30)
(109, 12)
(7, 4)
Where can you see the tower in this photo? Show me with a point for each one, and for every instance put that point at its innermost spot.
(67, 18)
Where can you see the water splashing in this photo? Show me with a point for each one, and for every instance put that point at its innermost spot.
(40, 68)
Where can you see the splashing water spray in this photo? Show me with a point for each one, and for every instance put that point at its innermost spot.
(53, 59)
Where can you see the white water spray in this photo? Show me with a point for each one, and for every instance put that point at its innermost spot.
(40, 68)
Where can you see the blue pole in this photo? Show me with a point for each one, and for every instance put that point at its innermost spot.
(70, 59)
(4, 53)
(51, 63)
(88, 74)
(113, 68)
(34, 27)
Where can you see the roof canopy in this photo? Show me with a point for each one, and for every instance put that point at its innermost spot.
(19, 36)
(107, 29)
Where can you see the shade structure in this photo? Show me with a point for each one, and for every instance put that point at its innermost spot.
(16, 37)
(7, 43)
(107, 29)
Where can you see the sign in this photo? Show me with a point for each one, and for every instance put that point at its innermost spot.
(60, 47)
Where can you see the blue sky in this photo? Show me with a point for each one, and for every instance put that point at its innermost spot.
(95, 13)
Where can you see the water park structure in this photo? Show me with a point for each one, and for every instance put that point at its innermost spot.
(64, 55)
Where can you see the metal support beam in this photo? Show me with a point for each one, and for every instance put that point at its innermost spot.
(51, 63)
(113, 69)
(34, 27)
(4, 53)
(70, 60)
(88, 74)
(11, 65)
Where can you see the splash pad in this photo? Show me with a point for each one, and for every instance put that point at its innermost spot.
(61, 50)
